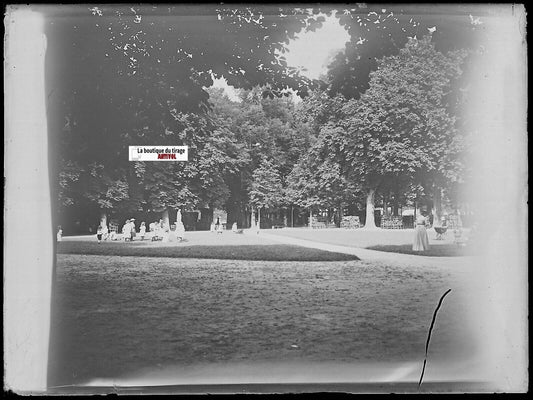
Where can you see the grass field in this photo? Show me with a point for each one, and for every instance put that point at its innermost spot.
(118, 316)
(137, 309)
(267, 252)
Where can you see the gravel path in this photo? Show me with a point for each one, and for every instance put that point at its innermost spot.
(396, 259)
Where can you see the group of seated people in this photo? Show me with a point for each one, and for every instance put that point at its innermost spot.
(158, 231)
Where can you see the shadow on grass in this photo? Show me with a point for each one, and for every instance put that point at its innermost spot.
(441, 250)
(272, 252)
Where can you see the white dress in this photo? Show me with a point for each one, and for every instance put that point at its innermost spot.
(421, 241)
(126, 231)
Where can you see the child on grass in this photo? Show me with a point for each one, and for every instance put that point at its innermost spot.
(99, 233)
(142, 230)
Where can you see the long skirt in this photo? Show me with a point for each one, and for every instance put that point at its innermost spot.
(421, 242)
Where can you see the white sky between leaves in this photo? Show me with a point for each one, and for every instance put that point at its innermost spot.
(310, 50)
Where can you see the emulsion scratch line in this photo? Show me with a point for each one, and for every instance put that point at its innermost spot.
(429, 334)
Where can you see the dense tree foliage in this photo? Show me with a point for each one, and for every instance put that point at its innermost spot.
(378, 31)
(265, 131)
(120, 76)
(399, 132)
(385, 122)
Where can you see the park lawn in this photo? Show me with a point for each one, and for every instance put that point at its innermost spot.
(266, 252)
(120, 317)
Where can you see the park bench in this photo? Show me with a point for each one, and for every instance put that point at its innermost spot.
(320, 222)
(391, 222)
(350, 222)
(277, 226)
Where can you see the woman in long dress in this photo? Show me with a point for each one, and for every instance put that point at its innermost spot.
(126, 231)
(421, 242)
(133, 232)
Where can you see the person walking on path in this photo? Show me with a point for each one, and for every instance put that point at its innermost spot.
(421, 241)
(59, 234)
(218, 226)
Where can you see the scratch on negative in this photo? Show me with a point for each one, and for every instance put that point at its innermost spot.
(429, 334)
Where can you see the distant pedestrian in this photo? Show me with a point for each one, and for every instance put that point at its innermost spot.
(421, 241)
(133, 232)
(154, 229)
(219, 227)
(142, 230)
(126, 231)
(59, 235)
(105, 232)
(235, 229)
(99, 233)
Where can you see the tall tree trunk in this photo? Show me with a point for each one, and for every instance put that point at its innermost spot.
(310, 217)
(292, 216)
(241, 218)
(370, 223)
(252, 219)
(437, 206)
(259, 217)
